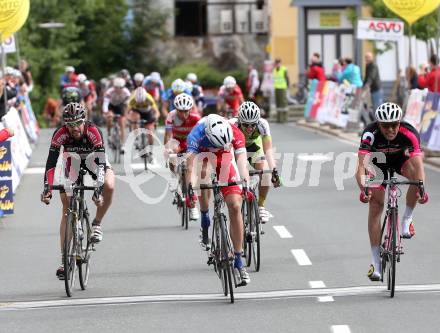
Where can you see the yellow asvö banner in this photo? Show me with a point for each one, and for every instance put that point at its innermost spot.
(412, 10)
(13, 14)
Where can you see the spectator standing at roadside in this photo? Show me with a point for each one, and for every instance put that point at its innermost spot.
(6, 91)
(435, 71)
(351, 73)
(252, 82)
(411, 78)
(372, 81)
(422, 77)
(27, 75)
(315, 70)
(281, 84)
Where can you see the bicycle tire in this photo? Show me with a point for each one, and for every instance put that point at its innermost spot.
(143, 149)
(85, 245)
(256, 233)
(185, 211)
(217, 252)
(69, 258)
(244, 214)
(393, 253)
(228, 264)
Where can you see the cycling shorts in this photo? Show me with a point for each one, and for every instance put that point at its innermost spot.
(146, 115)
(117, 109)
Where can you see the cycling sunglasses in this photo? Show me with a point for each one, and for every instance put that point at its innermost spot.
(183, 111)
(390, 125)
(248, 125)
(75, 123)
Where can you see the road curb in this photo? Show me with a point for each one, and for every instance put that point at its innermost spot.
(352, 137)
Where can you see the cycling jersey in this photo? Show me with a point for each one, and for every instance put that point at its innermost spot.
(254, 140)
(224, 163)
(231, 98)
(169, 96)
(91, 141)
(86, 91)
(112, 96)
(181, 128)
(404, 146)
(146, 105)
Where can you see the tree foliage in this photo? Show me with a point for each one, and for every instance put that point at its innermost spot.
(425, 28)
(97, 39)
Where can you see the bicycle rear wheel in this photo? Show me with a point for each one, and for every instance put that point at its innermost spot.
(393, 254)
(85, 246)
(69, 255)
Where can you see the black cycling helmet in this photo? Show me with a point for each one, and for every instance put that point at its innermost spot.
(70, 95)
(73, 112)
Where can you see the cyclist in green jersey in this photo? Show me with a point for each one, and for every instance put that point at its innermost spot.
(256, 131)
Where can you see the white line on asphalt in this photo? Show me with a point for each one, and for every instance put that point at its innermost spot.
(314, 157)
(34, 171)
(341, 329)
(261, 295)
(282, 231)
(316, 284)
(301, 257)
(326, 299)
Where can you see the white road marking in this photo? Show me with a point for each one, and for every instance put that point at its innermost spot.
(34, 171)
(301, 257)
(282, 231)
(341, 329)
(379, 290)
(316, 284)
(314, 157)
(326, 299)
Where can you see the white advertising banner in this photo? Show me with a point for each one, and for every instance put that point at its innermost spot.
(380, 29)
(413, 113)
(434, 140)
(20, 148)
(9, 45)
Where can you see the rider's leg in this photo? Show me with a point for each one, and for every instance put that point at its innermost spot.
(413, 170)
(109, 187)
(233, 201)
(121, 121)
(65, 202)
(263, 190)
(150, 133)
(374, 229)
(109, 118)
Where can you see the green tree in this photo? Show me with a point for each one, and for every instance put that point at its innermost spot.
(425, 28)
(103, 41)
(147, 26)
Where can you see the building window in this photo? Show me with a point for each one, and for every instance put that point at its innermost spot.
(190, 18)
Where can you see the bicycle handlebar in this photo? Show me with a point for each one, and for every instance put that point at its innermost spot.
(75, 187)
(258, 172)
(218, 185)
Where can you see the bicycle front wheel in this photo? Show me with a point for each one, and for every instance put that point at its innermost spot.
(256, 233)
(227, 262)
(69, 253)
(393, 254)
(85, 245)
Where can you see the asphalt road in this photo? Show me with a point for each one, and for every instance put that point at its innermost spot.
(149, 275)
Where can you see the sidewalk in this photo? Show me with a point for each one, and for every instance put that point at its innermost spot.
(430, 157)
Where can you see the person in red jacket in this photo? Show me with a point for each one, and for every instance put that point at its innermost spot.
(435, 71)
(316, 71)
(6, 133)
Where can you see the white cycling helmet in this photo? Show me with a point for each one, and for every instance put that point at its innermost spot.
(119, 82)
(69, 69)
(218, 130)
(155, 77)
(249, 113)
(229, 82)
(140, 95)
(178, 86)
(138, 77)
(388, 113)
(183, 102)
(191, 77)
(82, 78)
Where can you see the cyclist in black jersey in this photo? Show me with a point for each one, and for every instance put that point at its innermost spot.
(389, 142)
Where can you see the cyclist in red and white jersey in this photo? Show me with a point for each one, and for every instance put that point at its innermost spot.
(178, 125)
(230, 98)
(115, 102)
